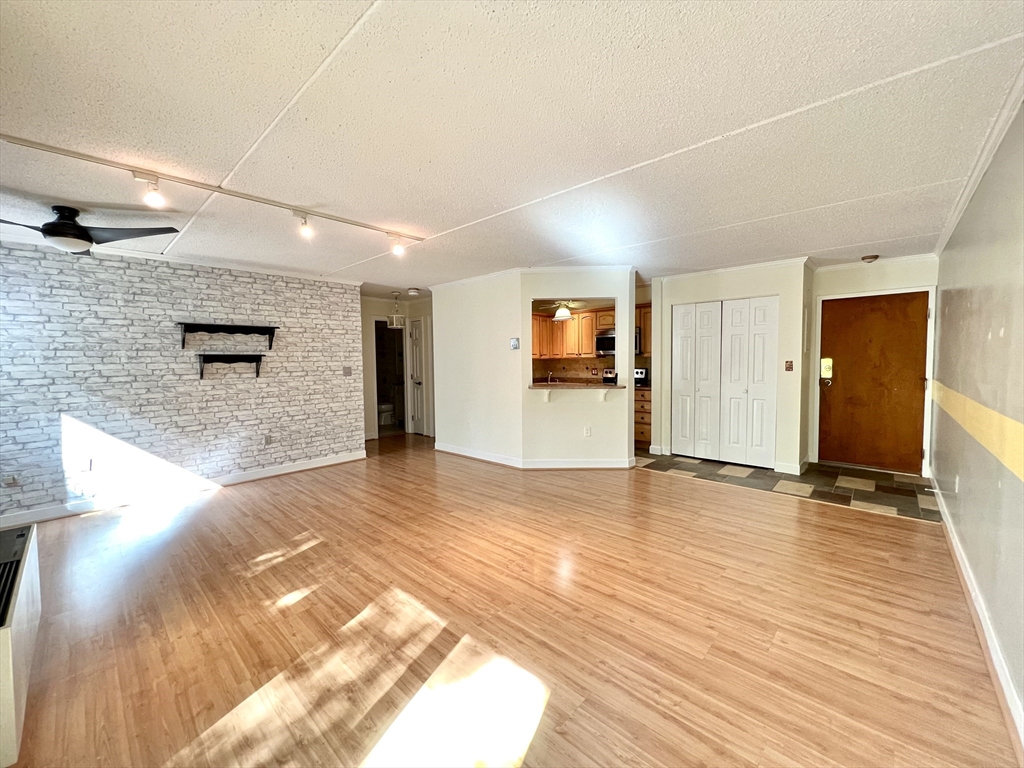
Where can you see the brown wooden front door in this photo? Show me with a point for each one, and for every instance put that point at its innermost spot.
(872, 408)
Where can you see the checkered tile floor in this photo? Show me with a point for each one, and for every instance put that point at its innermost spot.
(886, 492)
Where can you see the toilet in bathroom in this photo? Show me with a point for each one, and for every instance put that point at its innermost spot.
(385, 414)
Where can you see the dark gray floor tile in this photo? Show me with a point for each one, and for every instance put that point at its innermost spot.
(834, 498)
(824, 469)
(869, 474)
(915, 513)
(887, 499)
(895, 491)
(931, 514)
(844, 491)
(760, 483)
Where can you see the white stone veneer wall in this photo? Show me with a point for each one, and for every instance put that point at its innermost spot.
(95, 338)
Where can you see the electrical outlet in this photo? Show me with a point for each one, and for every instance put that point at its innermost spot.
(266, 440)
(586, 431)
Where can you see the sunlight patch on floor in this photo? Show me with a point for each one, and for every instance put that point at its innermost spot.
(308, 714)
(477, 709)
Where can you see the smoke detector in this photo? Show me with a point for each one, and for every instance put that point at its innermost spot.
(414, 291)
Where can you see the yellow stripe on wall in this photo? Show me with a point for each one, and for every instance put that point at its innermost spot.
(1000, 435)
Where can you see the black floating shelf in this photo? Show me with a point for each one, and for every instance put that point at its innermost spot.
(220, 357)
(250, 330)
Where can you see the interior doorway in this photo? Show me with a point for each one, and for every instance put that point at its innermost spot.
(417, 410)
(874, 357)
(390, 358)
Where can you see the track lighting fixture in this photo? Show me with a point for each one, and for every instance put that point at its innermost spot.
(396, 246)
(152, 198)
(304, 229)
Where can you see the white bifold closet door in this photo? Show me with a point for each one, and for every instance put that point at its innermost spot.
(750, 329)
(707, 395)
(684, 342)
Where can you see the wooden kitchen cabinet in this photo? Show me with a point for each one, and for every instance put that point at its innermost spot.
(605, 319)
(535, 332)
(556, 337)
(570, 336)
(587, 331)
(644, 320)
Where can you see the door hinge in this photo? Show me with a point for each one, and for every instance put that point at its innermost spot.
(922, 453)
(929, 313)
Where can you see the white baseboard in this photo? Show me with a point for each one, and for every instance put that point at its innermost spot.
(579, 463)
(42, 514)
(494, 458)
(284, 469)
(1013, 701)
(512, 461)
(790, 469)
(655, 450)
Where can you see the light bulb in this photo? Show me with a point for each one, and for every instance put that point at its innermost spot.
(153, 198)
(398, 249)
(305, 230)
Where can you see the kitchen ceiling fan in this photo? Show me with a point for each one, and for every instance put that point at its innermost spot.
(566, 304)
(65, 233)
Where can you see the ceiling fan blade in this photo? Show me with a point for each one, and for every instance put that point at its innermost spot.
(102, 235)
(26, 226)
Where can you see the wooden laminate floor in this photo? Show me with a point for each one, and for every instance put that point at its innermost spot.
(382, 610)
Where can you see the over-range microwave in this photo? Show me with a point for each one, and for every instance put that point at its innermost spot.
(604, 343)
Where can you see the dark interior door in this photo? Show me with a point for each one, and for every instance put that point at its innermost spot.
(872, 408)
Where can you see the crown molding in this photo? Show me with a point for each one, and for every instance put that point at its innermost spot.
(1000, 127)
(864, 265)
(734, 268)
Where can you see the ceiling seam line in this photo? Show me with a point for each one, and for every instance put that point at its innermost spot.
(280, 116)
(738, 131)
(775, 216)
(783, 256)
(714, 229)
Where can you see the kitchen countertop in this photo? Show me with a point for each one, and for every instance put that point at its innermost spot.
(574, 385)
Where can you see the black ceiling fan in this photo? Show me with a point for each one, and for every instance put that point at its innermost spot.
(65, 233)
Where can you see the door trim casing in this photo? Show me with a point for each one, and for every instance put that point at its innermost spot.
(929, 369)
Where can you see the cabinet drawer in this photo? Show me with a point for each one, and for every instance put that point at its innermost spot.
(642, 417)
(640, 405)
(642, 394)
(642, 432)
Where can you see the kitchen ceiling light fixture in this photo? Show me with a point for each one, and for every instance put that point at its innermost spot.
(562, 313)
(304, 229)
(396, 319)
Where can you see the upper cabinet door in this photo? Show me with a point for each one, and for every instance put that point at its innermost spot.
(606, 320)
(646, 319)
(535, 331)
(557, 349)
(571, 335)
(587, 332)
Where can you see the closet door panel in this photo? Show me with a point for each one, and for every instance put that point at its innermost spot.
(708, 380)
(735, 338)
(683, 371)
(763, 380)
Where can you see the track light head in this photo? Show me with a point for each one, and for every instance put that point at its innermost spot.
(304, 229)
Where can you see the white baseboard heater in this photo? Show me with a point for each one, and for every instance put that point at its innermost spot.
(19, 623)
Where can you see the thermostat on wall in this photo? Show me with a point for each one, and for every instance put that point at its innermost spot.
(514, 344)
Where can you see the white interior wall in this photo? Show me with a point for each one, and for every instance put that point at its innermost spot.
(553, 430)
(478, 379)
(783, 279)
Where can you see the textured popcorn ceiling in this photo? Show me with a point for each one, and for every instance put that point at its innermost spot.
(669, 136)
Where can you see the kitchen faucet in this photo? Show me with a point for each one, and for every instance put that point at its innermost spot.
(549, 376)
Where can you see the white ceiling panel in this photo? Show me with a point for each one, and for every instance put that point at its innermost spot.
(860, 227)
(242, 233)
(438, 114)
(178, 87)
(31, 181)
